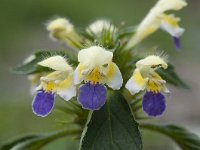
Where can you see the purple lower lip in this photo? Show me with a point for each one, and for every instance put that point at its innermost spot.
(153, 104)
(177, 43)
(92, 96)
(43, 103)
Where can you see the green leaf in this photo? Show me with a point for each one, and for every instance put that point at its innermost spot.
(185, 139)
(171, 77)
(34, 142)
(14, 142)
(30, 67)
(112, 127)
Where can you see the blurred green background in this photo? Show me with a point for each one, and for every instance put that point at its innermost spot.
(22, 31)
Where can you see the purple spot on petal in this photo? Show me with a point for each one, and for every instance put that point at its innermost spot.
(43, 103)
(153, 104)
(177, 43)
(92, 96)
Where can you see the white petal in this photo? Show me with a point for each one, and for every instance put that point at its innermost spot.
(39, 87)
(33, 89)
(164, 5)
(169, 23)
(150, 61)
(136, 83)
(67, 93)
(57, 63)
(94, 56)
(54, 76)
(78, 77)
(29, 59)
(133, 87)
(166, 90)
(67, 89)
(100, 25)
(114, 77)
(60, 24)
(173, 31)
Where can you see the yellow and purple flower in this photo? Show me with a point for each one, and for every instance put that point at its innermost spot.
(60, 82)
(157, 18)
(169, 23)
(96, 69)
(146, 78)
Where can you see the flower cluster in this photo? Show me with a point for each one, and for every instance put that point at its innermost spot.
(96, 69)
(103, 68)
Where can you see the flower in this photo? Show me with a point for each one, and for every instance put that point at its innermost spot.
(60, 82)
(96, 69)
(156, 18)
(146, 78)
(101, 25)
(169, 23)
(62, 29)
